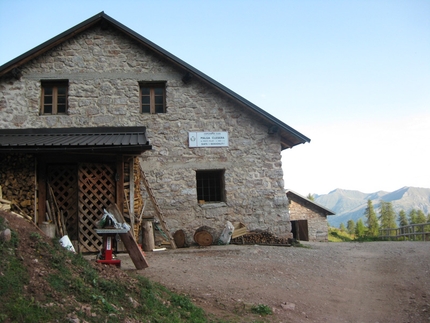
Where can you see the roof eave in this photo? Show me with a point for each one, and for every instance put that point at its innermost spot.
(130, 150)
(322, 208)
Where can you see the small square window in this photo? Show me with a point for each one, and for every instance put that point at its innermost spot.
(210, 185)
(54, 97)
(153, 98)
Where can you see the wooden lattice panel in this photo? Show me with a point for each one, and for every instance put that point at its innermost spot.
(96, 193)
(63, 181)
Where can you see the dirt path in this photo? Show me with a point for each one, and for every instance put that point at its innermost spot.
(325, 282)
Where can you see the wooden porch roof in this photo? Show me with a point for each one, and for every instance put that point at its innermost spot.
(127, 140)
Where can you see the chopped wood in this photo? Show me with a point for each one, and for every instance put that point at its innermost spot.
(5, 201)
(260, 237)
(4, 204)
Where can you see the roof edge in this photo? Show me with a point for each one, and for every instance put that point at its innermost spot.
(81, 130)
(308, 200)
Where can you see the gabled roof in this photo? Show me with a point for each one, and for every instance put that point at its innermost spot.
(305, 201)
(127, 140)
(289, 136)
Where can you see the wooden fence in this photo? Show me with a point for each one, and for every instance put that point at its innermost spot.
(413, 232)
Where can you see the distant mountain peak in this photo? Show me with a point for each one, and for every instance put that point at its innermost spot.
(351, 204)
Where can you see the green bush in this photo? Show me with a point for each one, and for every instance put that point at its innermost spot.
(261, 309)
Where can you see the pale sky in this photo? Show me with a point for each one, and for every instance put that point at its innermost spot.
(353, 76)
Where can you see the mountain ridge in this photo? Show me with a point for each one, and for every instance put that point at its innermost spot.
(351, 204)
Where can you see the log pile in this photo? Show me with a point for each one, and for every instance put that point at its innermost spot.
(260, 237)
(18, 182)
(4, 204)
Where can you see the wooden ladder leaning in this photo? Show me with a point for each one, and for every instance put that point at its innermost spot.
(157, 208)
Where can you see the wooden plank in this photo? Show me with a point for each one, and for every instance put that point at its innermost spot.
(239, 230)
(5, 201)
(130, 243)
(120, 182)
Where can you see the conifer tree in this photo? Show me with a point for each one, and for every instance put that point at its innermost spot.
(387, 216)
(359, 229)
(350, 225)
(310, 197)
(342, 227)
(421, 217)
(403, 220)
(413, 216)
(371, 220)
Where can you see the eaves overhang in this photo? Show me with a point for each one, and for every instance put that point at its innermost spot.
(323, 209)
(112, 140)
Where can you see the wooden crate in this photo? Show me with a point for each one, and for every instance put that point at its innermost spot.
(239, 230)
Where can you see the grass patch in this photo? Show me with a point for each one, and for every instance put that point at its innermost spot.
(68, 284)
(337, 235)
(261, 309)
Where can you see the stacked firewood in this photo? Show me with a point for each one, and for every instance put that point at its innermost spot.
(18, 182)
(259, 237)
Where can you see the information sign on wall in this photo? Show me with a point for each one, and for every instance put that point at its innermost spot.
(208, 139)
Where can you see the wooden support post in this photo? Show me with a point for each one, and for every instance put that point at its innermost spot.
(148, 243)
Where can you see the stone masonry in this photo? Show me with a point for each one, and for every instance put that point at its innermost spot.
(317, 222)
(104, 69)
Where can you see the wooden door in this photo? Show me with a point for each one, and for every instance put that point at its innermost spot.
(300, 230)
(303, 230)
(96, 191)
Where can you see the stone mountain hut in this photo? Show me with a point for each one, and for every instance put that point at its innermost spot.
(89, 113)
(308, 219)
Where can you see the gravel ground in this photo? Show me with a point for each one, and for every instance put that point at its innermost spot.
(320, 282)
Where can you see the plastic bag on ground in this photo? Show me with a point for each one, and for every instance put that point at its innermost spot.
(226, 233)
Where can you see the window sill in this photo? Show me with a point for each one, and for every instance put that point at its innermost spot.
(212, 205)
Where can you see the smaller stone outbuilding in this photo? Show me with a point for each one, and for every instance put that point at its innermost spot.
(308, 219)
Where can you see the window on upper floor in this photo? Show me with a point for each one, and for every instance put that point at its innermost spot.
(210, 185)
(54, 97)
(152, 98)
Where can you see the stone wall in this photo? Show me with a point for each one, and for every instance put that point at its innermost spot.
(103, 69)
(317, 222)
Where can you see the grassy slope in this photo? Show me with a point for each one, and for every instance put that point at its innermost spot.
(42, 282)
